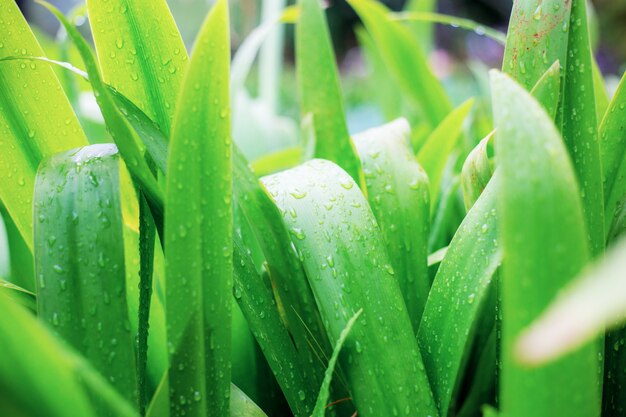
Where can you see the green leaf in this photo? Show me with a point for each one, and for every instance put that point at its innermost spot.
(406, 60)
(259, 307)
(477, 171)
(292, 291)
(440, 144)
(613, 146)
(147, 235)
(240, 404)
(398, 193)
(580, 126)
(537, 37)
(46, 384)
(344, 256)
(547, 90)
(421, 17)
(120, 129)
(461, 285)
(540, 34)
(36, 119)
(198, 229)
(322, 399)
(19, 295)
(320, 91)
(582, 311)
(141, 53)
(478, 166)
(79, 263)
(543, 237)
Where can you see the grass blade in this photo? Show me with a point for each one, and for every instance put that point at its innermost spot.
(259, 307)
(147, 235)
(322, 399)
(580, 126)
(434, 154)
(462, 283)
(543, 237)
(406, 60)
(146, 69)
(34, 115)
(283, 264)
(199, 247)
(320, 91)
(454, 21)
(19, 295)
(398, 193)
(121, 131)
(613, 146)
(343, 254)
(77, 206)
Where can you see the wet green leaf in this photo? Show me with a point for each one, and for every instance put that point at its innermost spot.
(440, 144)
(198, 229)
(79, 263)
(543, 238)
(36, 119)
(344, 257)
(398, 193)
(459, 291)
(141, 53)
(406, 60)
(320, 91)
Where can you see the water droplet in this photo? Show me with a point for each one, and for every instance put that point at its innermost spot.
(119, 42)
(182, 230)
(301, 395)
(58, 269)
(538, 13)
(347, 184)
(55, 318)
(298, 194)
(298, 233)
(197, 396)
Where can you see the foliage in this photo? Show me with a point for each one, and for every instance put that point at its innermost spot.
(424, 267)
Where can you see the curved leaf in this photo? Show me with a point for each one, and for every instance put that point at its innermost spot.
(258, 306)
(398, 193)
(141, 53)
(434, 154)
(343, 254)
(406, 60)
(322, 399)
(79, 263)
(36, 119)
(120, 129)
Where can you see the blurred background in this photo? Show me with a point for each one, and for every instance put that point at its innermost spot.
(610, 24)
(459, 57)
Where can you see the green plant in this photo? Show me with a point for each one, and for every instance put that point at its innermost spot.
(411, 269)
